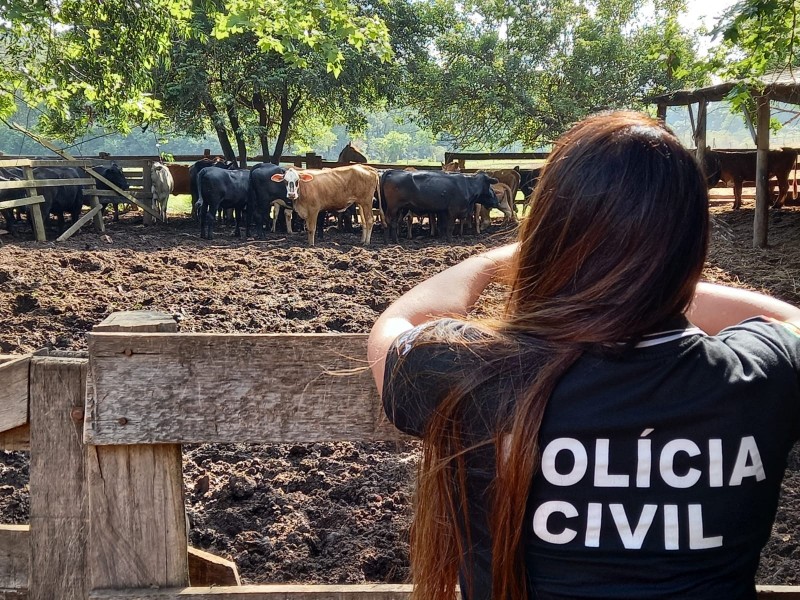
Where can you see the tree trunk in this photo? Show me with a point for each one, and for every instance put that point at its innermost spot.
(263, 124)
(287, 113)
(233, 117)
(219, 127)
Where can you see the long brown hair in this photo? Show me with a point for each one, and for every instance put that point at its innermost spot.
(614, 245)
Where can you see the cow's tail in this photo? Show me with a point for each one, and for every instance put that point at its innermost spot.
(199, 204)
(381, 212)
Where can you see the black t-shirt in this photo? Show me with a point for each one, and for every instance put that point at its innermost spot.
(660, 468)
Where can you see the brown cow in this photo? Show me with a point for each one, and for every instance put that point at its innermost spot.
(510, 177)
(180, 178)
(331, 190)
(451, 167)
(503, 193)
(738, 167)
(351, 154)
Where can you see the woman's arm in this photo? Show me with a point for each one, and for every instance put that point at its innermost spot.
(716, 307)
(449, 293)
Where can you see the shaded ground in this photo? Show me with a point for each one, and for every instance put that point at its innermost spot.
(318, 512)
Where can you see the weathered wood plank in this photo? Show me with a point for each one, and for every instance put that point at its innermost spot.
(329, 592)
(367, 591)
(18, 438)
(15, 594)
(37, 183)
(141, 321)
(4, 358)
(14, 393)
(206, 569)
(106, 194)
(37, 211)
(158, 388)
(138, 532)
(85, 218)
(761, 216)
(21, 202)
(57, 480)
(15, 556)
(137, 521)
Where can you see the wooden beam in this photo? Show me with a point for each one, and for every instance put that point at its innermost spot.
(15, 556)
(374, 591)
(85, 218)
(138, 532)
(206, 569)
(140, 321)
(182, 388)
(18, 438)
(14, 394)
(330, 592)
(21, 202)
(661, 112)
(763, 191)
(40, 183)
(58, 480)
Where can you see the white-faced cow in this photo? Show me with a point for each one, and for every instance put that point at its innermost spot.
(315, 190)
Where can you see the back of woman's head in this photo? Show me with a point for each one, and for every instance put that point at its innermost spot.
(617, 234)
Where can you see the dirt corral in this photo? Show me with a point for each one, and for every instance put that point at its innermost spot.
(332, 513)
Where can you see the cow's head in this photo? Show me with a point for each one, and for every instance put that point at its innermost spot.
(115, 175)
(487, 197)
(292, 180)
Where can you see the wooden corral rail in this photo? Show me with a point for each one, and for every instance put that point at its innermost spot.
(107, 500)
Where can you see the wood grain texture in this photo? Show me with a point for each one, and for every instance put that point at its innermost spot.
(15, 556)
(137, 526)
(271, 388)
(14, 393)
(18, 438)
(14, 594)
(265, 592)
(21, 202)
(141, 321)
(39, 183)
(137, 522)
(206, 569)
(57, 479)
(330, 592)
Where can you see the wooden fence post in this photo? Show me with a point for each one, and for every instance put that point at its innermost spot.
(763, 190)
(146, 189)
(37, 210)
(59, 511)
(137, 519)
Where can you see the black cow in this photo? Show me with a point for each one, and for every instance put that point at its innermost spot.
(64, 198)
(222, 189)
(115, 175)
(194, 173)
(528, 180)
(263, 192)
(450, 195)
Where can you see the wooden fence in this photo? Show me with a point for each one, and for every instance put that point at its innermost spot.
(105, 428)
(137, 173)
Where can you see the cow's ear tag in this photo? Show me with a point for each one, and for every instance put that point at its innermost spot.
(306, 176)
(278, 177)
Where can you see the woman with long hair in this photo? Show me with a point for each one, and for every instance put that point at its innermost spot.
(621, 431)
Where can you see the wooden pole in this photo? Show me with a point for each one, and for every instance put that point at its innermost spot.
(700, 131)
(147, 189)
(59, 512)
(36, 210)
(761, 217)
(137, 524)
(661, 113)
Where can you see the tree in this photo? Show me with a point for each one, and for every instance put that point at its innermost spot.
(91, 63)
(524, 71)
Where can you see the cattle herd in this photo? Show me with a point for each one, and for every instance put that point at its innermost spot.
(269, 197)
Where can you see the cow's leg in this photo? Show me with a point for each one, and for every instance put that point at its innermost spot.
(322, 221)
(237, 218)
(410, 222)
(477, 216)
(288, 215)
(368, 220)
(311, 225)
(737, 193)
(783, 189)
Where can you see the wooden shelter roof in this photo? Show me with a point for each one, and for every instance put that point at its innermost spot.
(783, 86)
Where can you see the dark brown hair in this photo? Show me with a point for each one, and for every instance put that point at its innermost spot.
(614, 245)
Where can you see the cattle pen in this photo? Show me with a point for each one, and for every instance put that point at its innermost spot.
(105, 428)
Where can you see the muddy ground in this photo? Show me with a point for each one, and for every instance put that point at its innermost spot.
(317, 513)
